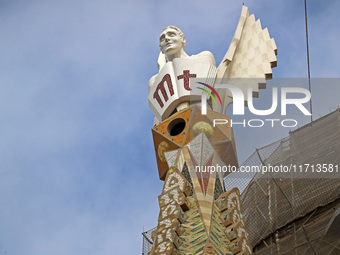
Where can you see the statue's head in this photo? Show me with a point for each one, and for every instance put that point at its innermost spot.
(172, 40)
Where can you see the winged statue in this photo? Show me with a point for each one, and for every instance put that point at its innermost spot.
(246, 65)
(197, 214)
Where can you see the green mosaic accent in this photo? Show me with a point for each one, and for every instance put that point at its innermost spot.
(183, 251)
(197, 216)
(185, 240)
(197, 245)
(183, 246)
(196, 223)
(194, 229)
(217, 248)
(217, 251)
(204, 236)
(215, 217)
(215, 223)
(186, 233)
(217, 236)
(218, 244)
(197, 228)
(199, 250)
(195, 212)
(198, 233)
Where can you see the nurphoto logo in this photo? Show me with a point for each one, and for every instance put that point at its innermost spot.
(239, 98)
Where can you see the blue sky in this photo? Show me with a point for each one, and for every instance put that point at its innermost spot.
(78, 171)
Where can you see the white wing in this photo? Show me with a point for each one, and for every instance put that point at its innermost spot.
(249, 59)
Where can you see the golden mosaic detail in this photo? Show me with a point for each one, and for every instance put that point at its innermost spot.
(162, 147)
(204, 127)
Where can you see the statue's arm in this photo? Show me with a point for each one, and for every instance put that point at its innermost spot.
(152, 81)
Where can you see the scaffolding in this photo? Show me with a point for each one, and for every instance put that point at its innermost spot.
(290, 213)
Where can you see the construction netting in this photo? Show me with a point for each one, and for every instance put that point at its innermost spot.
(241, 179)
(147, 241)
(273, 200)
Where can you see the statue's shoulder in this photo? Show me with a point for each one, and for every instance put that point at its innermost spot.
(205, 56)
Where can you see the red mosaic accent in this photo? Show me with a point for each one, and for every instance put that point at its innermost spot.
(186, 76)
(161, 87)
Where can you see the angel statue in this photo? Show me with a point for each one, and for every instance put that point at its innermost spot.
(246, 65)
(190, 149)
